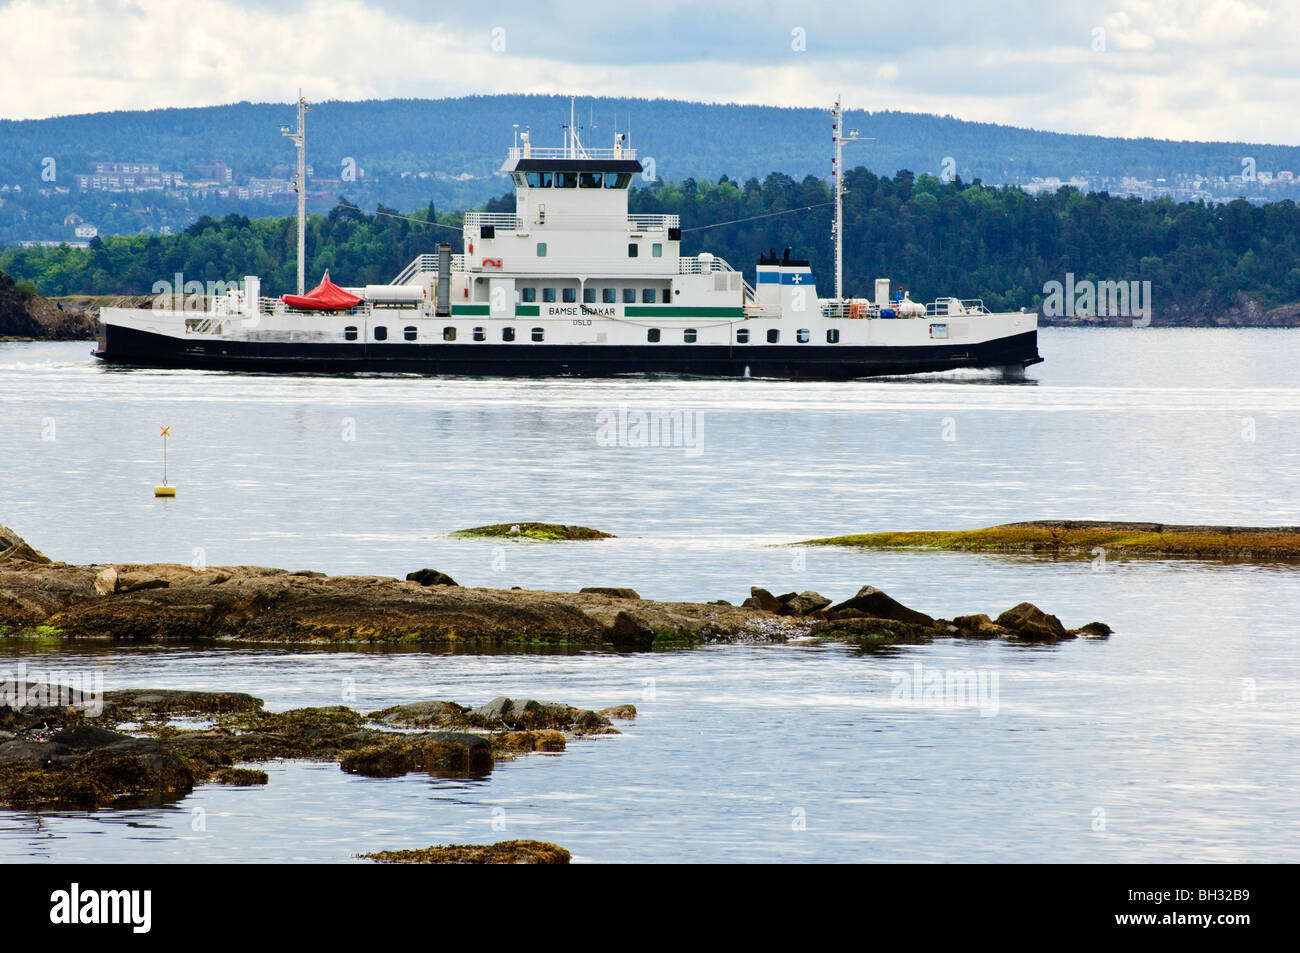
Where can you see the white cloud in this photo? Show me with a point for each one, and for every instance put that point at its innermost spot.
(1204, 69)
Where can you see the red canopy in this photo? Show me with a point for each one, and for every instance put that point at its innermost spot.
(326, 296)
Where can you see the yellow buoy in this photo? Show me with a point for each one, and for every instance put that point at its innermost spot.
(165, 490)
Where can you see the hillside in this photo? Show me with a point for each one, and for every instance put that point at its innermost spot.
(407, 153)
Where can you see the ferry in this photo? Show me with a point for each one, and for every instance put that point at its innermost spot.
(570, 283)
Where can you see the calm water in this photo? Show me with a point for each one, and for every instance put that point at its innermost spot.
(1175, 740)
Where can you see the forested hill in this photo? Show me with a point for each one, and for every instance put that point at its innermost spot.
(1206, 263)
(450, 149)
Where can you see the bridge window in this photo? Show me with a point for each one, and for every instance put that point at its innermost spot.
(530, 295)
(566, 180)
(409, 333)
(480, 334)
(568, 295)
(449, 334)
(350, 333)
(608, 295)
(689, 335)
(538, 334)
(652, 335)
(742, 335)
(538, 180)
(617, 180)
(773, 336)
(381, 333)
(802, 336)
(833, 336)
(631, 250)
(588, 295)
(657, 250)
(647, 296)
(548, 295)
(590, 180)
(507, 334)
(541, 249)
(629, 296)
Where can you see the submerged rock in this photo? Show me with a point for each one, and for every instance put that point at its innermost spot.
(506, 852)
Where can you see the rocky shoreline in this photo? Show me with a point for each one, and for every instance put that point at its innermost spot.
(171, 603)
(1083, 538)
(70, 749)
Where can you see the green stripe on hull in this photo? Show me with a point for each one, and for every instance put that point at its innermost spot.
(673, 311)
(469, 309)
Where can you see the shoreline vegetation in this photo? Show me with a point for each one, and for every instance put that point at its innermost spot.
(1092, 538)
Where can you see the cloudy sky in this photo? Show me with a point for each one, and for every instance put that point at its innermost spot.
(1181, 69)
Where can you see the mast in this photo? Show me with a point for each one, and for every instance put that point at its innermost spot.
(300, 186)
(837, 184)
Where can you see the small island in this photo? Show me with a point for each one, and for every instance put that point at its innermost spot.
(1084, 538)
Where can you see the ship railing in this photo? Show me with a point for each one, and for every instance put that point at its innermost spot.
(955, 307)
(560, 152)
(474, 220)
(424, 265)
(691, 265)
(652, 223)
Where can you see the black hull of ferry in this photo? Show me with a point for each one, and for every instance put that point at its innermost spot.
(128, 346)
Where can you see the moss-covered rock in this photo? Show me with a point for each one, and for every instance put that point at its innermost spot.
(506, 852)
(549, 532)
(1079, 539)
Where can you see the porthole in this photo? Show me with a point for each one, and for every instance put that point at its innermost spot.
(833, 336)
(449, 334)
(803, 336)
(507, 334)
(773, 336)
(538, 335)
(480, 334)
(742, 335)
(381, 333)
(689, 335)
(410, 333)
(652, 335)
(350, 333)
